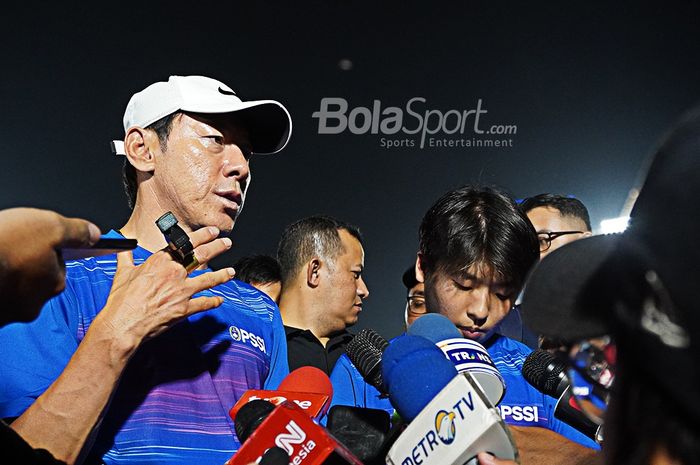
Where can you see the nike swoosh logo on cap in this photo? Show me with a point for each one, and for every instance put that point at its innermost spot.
(226, 92)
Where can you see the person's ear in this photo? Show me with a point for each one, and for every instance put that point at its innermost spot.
(313, 275)
(138, 146)
(420, 276)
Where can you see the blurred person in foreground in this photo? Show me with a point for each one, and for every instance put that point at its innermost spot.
(631, 326)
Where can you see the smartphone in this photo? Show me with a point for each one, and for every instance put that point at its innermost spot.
(104, 246)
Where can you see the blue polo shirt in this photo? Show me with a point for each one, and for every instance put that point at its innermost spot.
(172, 403)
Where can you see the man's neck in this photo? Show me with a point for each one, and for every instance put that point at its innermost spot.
(298, 313)
(142, 227)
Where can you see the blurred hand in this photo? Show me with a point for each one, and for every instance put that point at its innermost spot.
(146, 300)
(487, 459)
(31, 269)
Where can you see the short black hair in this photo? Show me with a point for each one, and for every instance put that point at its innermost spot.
(162, 128)
(257, 269)
(409, 277)
(565, 205)
(478, 225)
(312, 236)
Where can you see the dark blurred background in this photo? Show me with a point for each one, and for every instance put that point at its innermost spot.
(590, 87)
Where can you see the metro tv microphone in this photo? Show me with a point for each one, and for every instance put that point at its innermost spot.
(467, 355)
(451, 418)
(548, 375)
(290, 428)
(308, 387)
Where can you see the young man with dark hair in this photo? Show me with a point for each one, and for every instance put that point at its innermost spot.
(262, 272)
(321, 260)
(188, 142)
(558, 220)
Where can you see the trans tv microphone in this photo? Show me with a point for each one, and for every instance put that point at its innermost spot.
(467, 355)
(308, 387)
(288, 427)
(451, 418)
(548, 375)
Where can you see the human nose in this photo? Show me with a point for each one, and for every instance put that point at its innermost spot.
(235, 163)
(478, 310)
(362, 290)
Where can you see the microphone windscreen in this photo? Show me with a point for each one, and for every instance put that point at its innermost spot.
(543, 371)
(365, 352)
(307, 379)
(435, 328)
(275, 456)
(250, 416)
(362, 430)
(415, 370)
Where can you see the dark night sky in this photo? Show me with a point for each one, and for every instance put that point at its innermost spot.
(590, 88)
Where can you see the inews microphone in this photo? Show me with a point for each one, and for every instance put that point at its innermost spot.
(365, 352)
(548, 375)
(290, 428)
(451, 418)
(308, 387)
(467, 355)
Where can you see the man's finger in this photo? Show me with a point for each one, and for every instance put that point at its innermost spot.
(78, 232)
(201, 304)
(125, 260)
(206, 252)
(203, 235)
(210, 279)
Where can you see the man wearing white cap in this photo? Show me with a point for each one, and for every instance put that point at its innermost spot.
(187, 145)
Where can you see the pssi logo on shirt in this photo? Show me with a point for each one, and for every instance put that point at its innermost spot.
(246, 337)
(522, 415)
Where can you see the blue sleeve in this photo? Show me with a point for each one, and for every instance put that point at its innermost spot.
(349, 388)
(565, 430)
(34, 354)
(279, 365)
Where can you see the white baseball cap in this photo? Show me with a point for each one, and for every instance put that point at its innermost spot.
(268, 122)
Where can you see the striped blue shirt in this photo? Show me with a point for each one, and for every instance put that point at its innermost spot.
(172, 403)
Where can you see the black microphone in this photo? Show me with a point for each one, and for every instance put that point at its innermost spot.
(548, 375)
(275, 456)
(364, 431)
(365, 352)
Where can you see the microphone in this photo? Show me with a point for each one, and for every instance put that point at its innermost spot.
(308, 387)
(365, 352)
(364, 431)
(451, 418)
(548, 375)
(467, 355)
(290, 428)
(275, 456)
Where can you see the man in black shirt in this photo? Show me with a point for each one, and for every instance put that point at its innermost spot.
(321, 260)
